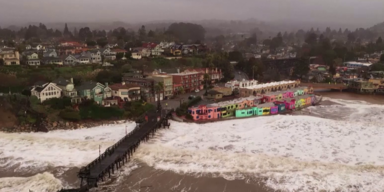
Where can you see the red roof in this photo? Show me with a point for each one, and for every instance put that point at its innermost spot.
(149, 45)
(118, 86)
(119, 50)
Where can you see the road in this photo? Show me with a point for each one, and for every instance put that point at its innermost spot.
(239, 75)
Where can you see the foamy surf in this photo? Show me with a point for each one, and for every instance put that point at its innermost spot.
(44, 182)
(73, 148)
(293, 153)
(56, 151)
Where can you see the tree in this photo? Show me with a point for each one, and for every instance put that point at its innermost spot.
(151, 33)
(102, 42)
(351, 37)
(66, 31)
(235, 56)
(311, 38)
(379, 41)
(85, 33)
(206, 79)
(159, 88)
(186, 32)
(301, 67)
(142, 32)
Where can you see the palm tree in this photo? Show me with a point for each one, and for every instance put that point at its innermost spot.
(159, 88)
(206, 78)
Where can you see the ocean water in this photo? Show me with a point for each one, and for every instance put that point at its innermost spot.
(39, 155)
(338, 147)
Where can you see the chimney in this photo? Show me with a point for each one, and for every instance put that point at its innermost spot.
(159, 70)
(71, 80)
(178, 70)
(123, 83)
(106, 84)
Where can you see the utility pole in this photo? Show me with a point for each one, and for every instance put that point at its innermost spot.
(253, 72)
(99, 150)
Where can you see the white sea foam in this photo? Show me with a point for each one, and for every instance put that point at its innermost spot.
(69, 148)
(44, 182)
(343, 152)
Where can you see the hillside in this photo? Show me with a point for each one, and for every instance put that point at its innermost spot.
(379, 28)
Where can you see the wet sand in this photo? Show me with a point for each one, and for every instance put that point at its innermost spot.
(149, 179)
(375, 99)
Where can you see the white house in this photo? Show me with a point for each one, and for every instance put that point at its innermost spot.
(50, 53)
(70, 60)
(33, 62)
(95, 56)
(46, 91)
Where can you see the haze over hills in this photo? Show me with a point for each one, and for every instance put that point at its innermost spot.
(213, 27)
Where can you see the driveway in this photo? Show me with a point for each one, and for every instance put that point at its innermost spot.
(174, 103)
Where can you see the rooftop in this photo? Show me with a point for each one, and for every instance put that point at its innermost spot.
(269, 84)
(185, 73)
(231, 102)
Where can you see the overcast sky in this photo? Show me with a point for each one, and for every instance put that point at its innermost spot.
(364, 13)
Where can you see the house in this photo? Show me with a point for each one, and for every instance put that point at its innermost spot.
(189, 80)
(204, 112)
(33, 62)
(46, 91)
(167, 81)
(246, 112)
(67, 88)
(93, 91)
(133, 75)
(94, 55)
(32, 56)
(108, 54)
(70, 60)
(143, 52)
(28, 47)
(52, 61)
(10, 56)
(147, 88)
(50, 53)
(126, 92)
(136, 54)
(32, 59)
(213, 94)
(83, 59)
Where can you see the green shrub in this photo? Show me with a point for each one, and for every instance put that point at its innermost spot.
(136, 108)
(100, 113)
(58, 103)
(194, 101)
(189, 116)
(70, 115)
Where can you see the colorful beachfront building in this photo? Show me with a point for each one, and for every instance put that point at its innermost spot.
(264, 88)
(268, 104)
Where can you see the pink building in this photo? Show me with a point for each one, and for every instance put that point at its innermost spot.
(245, 103)
(202, 112)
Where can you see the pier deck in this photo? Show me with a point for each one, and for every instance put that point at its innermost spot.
(115, 156)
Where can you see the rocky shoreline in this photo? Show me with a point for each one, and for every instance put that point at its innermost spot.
(59, 125)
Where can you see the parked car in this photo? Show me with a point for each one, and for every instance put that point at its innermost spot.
(196, 90)
(191, 97)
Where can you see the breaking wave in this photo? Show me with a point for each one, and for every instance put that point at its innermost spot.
(340, 147)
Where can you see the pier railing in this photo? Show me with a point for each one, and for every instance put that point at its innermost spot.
(112, 159)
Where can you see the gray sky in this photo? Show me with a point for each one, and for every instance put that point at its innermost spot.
(363, 13)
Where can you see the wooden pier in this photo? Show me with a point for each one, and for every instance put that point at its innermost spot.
(117, 155)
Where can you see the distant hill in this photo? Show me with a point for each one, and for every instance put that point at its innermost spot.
(379, 28)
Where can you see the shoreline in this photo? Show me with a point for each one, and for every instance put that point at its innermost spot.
(151, 179)
(62, 125)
